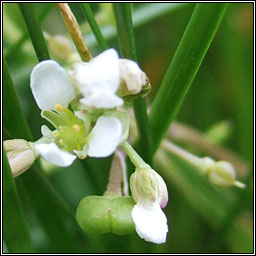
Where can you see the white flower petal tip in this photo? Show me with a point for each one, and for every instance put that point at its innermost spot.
(102, 99)
(150, 223)
(51, 153)
(101, 73)
(104, 137)
(51, 85)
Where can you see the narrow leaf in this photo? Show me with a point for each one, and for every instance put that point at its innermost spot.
(34, 29)
(94, 26)
(194, 44)
(14, 122)
(126, 40)
(15, 229)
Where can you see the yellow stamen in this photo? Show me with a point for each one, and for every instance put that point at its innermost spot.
(58, 107)
(76, 127)
(61, 141)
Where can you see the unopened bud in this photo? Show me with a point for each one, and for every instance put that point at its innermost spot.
(223, 174)
(60, 47)
(20, 155)
(148, 185)
(133, 79)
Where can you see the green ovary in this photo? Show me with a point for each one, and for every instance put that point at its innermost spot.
(71, 137)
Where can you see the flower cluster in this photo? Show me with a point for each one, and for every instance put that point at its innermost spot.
(83, 106)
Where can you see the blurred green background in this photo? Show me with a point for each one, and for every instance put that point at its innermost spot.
(201, 219)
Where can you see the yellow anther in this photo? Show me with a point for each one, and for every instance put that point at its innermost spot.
(58, 107)
(61, 141)
(76, 127)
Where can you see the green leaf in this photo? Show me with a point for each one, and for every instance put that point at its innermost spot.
(194, 44)
(14, 122)
(126, 40)
(34, 29)
(53, 214)
(15, 229)
(94, 26)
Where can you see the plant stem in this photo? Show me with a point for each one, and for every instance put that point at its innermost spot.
(123, 15)
(94, 26)
(35, 32)
(134, 157)
(74, 30)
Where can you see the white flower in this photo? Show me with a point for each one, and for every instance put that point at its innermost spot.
(53, 90)
(150, 193)
(99, 79)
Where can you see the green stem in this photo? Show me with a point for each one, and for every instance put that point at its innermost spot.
(134, 157)
(94, 26)
(15, 229)
(123, 15)
(188, 57)
(34, 29)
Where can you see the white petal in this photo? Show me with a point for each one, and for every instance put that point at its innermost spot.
(150, 222)
(54, 155)
(104, 137)
(51, 85)
(46, 132)
(102, 99)
(100, 73)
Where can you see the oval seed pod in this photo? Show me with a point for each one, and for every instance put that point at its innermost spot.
(103, 214)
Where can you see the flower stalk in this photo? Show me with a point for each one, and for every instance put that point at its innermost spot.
(74, 30)
(134, 157)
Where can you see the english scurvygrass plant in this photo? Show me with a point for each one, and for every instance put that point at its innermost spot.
(86, 104)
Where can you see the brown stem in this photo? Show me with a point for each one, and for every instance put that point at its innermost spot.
(74, 30)
(191, 136)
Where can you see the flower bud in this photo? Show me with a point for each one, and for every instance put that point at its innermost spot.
(222, 174)
(148, 185)
(60, 47)
(133, 79)
(20, 155)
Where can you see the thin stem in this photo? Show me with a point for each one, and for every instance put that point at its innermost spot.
(191, 136)
(34, 29)
(115, 177)
(74, 30)
(181, 153)
(134, 157)
(123, 15)
(86, 8)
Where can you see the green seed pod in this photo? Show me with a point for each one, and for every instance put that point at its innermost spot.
(102, 214)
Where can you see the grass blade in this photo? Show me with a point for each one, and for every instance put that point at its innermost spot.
(126, 40)
(184, 66)
(34, 30)
(13, 114)
(86, 8)
(15, 230)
